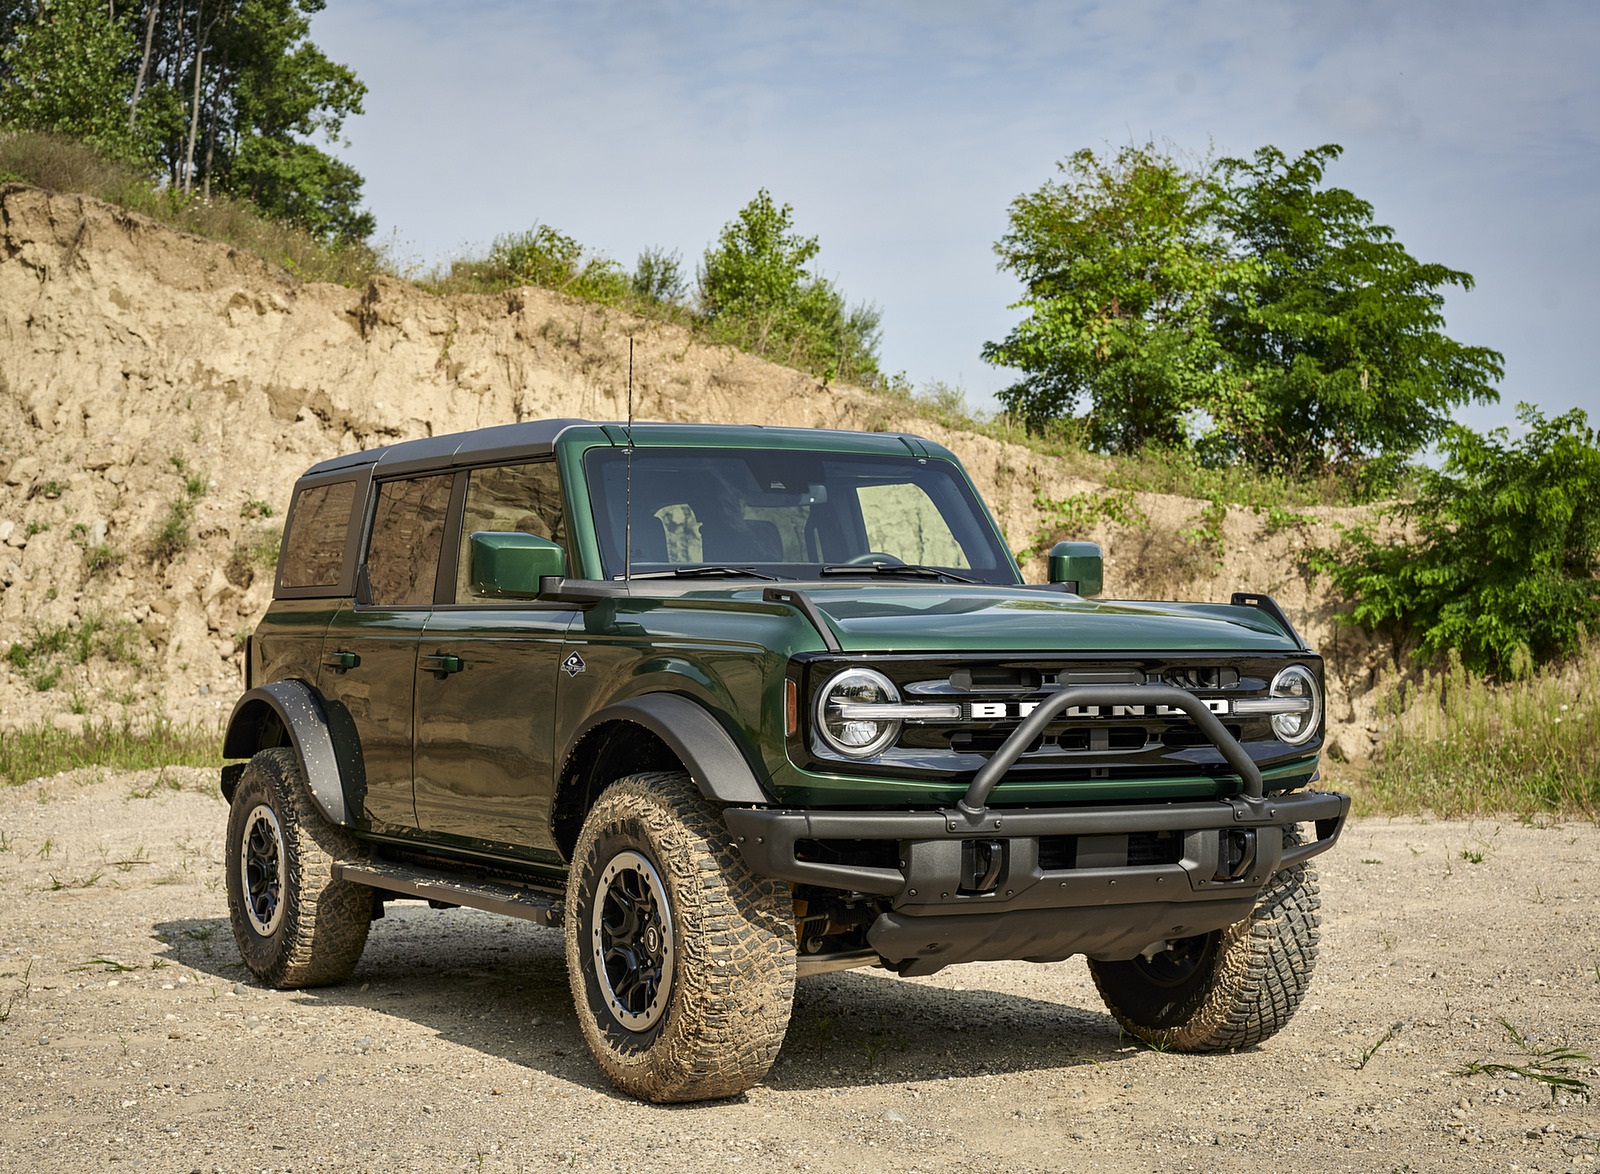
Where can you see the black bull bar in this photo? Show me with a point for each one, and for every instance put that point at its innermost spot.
(1221, 853)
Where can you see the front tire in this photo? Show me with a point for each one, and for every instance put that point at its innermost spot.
(1229, 989)
(681, 959)
(296, 925)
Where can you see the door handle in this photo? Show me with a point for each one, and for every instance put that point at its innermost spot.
(441, 664)
(340, 661)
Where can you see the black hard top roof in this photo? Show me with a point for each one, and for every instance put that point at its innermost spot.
(532, 438)
(536, 438)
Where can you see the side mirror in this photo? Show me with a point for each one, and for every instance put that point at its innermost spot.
(508, 564)
(1078, 566)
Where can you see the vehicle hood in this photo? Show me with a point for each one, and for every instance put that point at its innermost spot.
(939, 617)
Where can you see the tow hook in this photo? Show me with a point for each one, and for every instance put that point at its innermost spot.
(982, 862)
(1236, 853)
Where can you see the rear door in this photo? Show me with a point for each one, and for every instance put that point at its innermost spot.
(369, 655)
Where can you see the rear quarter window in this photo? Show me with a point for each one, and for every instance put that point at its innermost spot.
(313, 544)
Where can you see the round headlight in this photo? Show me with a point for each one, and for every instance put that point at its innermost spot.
(1297, 683)
(850, 733)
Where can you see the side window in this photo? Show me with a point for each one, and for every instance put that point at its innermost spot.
(511, 497)
(407, 535)
(313, 548)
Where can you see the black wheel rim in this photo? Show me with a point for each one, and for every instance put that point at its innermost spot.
(632, 940)
(1179, 962)
(261, 870)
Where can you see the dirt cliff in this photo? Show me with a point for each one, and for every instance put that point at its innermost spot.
(159, 393)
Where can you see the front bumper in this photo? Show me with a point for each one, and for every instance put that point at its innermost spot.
(1082, 896)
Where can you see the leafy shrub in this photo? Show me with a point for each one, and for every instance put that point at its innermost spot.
(50, 650)
(1505, 564)
(658, 277)
(1072, 517)
(172, 536)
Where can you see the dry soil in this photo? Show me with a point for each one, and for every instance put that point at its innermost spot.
(133, 1039)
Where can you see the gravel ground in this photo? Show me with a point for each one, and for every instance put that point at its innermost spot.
(132, 1038)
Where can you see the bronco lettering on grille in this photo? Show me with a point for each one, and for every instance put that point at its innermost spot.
(1000, 710)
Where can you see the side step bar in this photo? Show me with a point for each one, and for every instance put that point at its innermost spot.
(510, 900)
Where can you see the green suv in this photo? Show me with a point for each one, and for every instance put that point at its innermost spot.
(737, 704)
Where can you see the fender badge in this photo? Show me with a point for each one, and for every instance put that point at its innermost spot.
(573, 665)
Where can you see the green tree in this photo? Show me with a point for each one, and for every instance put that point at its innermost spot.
(756, 289)
(1243, 307)
(223, 96)
(1505, 562)
(1121, 265)
(285, 93)
(1339, 338)
(63, 69)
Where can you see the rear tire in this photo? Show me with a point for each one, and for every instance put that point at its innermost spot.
(296, 925)
(681, 959)
(1228, 989)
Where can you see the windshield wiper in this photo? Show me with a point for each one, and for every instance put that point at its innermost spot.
(908, 570)
(706, 571)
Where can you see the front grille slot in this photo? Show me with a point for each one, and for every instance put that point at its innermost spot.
(986, 741)
(1138, 850)
(1182, 737)
(862, 853)
(1082, 739)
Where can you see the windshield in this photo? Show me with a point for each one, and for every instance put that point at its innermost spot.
(790, 514)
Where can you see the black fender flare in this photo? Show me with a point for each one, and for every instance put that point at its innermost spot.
(300, 710)
(708, 752)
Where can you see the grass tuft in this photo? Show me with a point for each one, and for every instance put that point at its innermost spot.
(1552, 1065)
(1459, 745)
(39, 751)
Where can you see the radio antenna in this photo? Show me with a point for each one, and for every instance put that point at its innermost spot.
(627, 517)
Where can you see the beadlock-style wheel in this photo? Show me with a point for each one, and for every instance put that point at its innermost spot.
(261, 869)
(632, 940)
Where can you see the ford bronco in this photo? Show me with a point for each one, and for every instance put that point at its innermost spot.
(735, 704)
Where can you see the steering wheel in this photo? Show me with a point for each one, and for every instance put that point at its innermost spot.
(874, 558)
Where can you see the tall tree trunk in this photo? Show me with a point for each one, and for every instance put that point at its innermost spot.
(216, 103)
(144, 62)
(201, 36)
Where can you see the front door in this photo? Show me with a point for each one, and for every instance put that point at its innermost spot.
(486, 683)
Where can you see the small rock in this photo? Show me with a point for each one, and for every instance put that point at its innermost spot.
(896, 1116)
(239, 989)
(6, 529)
(97, 532)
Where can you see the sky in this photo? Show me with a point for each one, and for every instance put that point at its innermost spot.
(901, 130)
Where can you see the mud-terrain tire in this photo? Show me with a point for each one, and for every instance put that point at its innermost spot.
(681, 959)
(1229, 989)
(295, 924)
